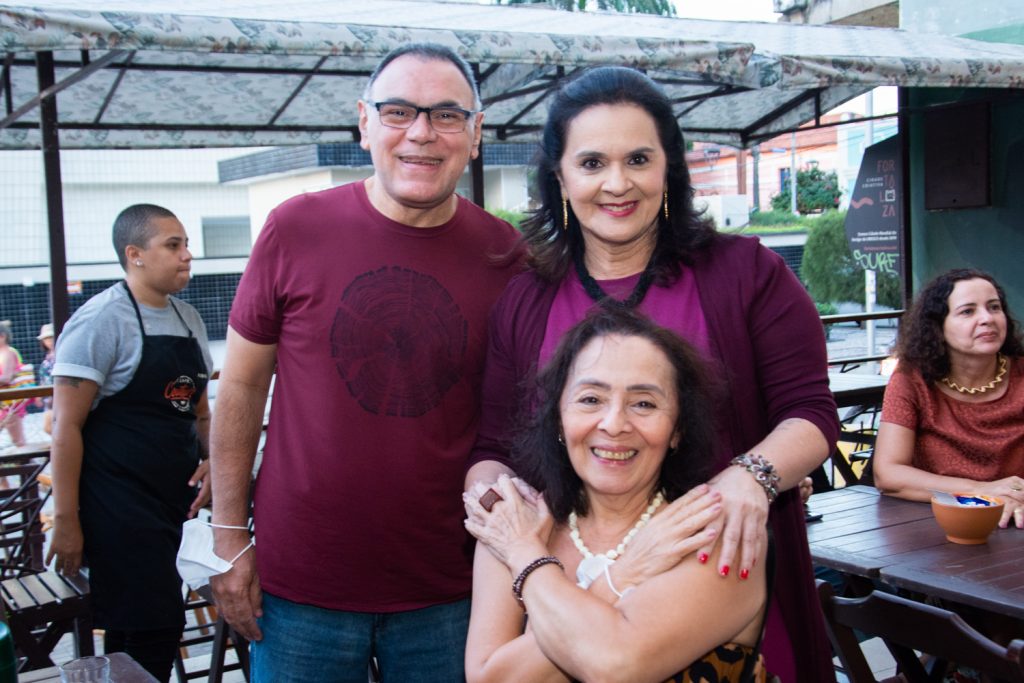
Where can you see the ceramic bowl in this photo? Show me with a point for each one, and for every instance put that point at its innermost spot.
(968, 524)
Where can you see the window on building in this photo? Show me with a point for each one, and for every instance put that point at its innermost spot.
(783, 177)
(226, 236)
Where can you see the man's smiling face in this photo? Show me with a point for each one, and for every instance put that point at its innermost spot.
(416, 169)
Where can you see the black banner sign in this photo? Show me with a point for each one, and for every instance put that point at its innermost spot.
(874, 219)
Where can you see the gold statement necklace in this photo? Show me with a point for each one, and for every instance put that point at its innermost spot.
(984, 388)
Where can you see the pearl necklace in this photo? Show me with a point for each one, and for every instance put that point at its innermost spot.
(982, 389)
(592, 566)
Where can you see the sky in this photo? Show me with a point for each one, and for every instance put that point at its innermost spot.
(735, 10)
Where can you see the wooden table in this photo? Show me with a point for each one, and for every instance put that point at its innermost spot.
(123, 669)
(856, 388)
(868, 536)
(989, 577)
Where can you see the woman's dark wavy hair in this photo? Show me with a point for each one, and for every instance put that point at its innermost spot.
(544, 462)
(551, 247)
(922, 344)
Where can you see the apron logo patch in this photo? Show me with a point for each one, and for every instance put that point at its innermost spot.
(180, 392)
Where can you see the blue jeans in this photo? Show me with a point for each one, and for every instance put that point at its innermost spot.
(306, 644)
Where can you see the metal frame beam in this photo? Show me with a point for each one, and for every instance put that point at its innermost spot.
(54, 88)
(47, 101)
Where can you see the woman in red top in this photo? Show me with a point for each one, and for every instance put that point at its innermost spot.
(953, 416)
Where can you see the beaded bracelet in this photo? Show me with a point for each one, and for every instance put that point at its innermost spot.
(763, 471)
(517, 585)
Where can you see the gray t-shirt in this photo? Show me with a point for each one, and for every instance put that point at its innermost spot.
(102, 341)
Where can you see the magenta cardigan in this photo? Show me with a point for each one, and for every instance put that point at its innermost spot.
(766, 335)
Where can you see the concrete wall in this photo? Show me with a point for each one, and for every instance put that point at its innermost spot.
(989, 238)
(269, 192)
(884, 13)
(97, 186)
(504, 187)
(956, 17)
(729, 211)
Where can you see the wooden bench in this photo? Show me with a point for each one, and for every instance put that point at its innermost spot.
(41, 608)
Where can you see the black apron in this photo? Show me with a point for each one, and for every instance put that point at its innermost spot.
(140, 448)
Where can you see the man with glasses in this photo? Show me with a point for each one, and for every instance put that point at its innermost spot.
(371, 299)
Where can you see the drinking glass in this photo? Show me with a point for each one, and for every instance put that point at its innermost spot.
(86, 670)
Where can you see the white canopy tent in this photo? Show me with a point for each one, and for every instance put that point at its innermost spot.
(183, 73)
(171, 74)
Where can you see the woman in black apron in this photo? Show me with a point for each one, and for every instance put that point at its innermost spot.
(123, 471)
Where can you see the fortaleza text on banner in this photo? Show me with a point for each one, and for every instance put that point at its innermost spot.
(874, 220)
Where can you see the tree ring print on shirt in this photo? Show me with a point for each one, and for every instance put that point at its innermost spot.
(398, 341)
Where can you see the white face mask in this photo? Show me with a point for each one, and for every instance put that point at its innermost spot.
(196, 560)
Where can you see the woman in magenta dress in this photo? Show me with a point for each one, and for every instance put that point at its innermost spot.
(616, 220)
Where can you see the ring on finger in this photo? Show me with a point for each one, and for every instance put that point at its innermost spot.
(489, 498)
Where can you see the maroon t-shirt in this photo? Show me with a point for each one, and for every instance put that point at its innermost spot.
(381, 332)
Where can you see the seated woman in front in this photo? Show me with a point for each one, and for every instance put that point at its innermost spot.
(953, 413)
(622, 425)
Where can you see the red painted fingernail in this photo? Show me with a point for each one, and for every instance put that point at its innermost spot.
(702, 558)
(745, 574)
(725, 570)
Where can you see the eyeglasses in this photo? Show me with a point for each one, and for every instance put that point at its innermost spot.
(442, 119)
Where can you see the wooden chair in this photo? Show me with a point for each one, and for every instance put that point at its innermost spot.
(41, 608)
(859, 430)
(21, 531)
(219, 633)
(906, 626)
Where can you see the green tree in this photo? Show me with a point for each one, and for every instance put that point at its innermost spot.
(662, 7)
(830, 272)
(513, 217)
(816, 191)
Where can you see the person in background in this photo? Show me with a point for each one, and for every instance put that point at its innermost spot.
(953, 412)
(624, 424)
(45, 375)
(617, 221)
(11, 412)
(131, 425)
(371, 301)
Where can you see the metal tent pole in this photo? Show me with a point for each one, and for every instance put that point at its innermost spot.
(50, 143)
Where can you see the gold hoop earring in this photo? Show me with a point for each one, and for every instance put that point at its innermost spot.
(665, 205)
(565, 214)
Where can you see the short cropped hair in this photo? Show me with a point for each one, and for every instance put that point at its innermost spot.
(541, 458)
(134, 226)
(427, 51)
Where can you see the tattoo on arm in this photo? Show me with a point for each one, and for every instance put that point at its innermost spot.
(73, 382)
